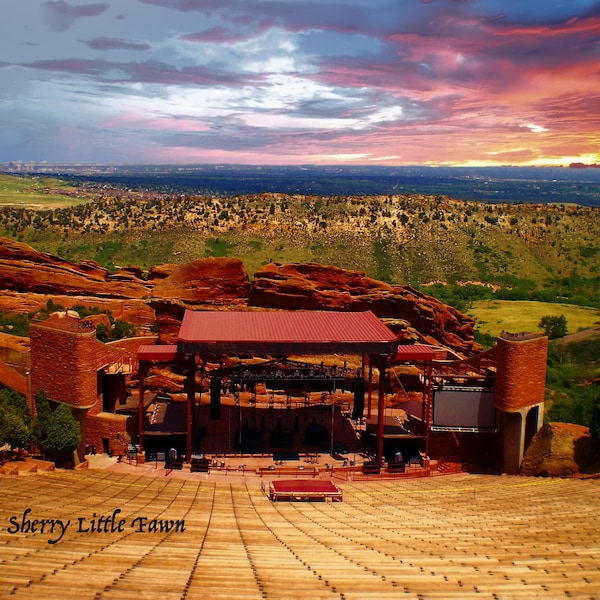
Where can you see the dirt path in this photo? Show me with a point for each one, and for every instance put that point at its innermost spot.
(580, 335)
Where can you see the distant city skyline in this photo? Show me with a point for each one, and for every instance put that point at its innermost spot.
(284, 82)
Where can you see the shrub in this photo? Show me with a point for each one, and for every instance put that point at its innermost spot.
(13, 428)
(14, 419)
(554, 326)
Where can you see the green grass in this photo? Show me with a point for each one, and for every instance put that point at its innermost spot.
(216, 247)
(495, 316)
(570, 394)
(37, 193)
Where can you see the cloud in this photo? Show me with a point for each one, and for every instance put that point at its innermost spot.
(222, 35)
(257, 80)
(60, 15)
(291, 15)
(151, 72)
(107, 43)
(535, 128)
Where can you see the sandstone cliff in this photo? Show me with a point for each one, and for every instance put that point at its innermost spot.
(23, 269)
(29, 278)
(417, 317)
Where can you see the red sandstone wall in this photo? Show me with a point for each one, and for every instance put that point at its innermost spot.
(56, 366)
(521, 375)
(65, 360)
(111, 427)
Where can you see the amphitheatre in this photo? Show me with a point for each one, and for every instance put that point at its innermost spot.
(374, 454)
(455, 536)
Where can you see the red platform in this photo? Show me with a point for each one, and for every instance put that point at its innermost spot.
(299, 490)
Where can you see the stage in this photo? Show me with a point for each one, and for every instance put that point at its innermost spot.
(301, 490)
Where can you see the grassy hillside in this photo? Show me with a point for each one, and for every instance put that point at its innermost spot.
(38, 193)
(495, 316)
(572, 379)
(407, 239)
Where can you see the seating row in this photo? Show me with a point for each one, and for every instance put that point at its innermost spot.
(448, 537)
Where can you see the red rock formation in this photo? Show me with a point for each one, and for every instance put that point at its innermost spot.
(562, 450)
(217, 280)
(168, 319)
(23, 269)
(12, 379)
(202, 284)
(313, 287)
(160, 271)
(136, 311)
(28, 278)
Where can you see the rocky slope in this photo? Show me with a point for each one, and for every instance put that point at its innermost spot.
(29, 278)
(416, 317)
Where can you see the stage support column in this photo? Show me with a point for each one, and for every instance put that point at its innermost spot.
(191, 401)
(427, 401)
(382, 360)
(370, 394)
(143, 371)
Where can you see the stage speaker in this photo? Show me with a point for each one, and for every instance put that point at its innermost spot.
(215, 398)
(359, 398)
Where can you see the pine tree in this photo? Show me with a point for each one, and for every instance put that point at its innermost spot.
(63, 433)
(42, 419)
(14, 419)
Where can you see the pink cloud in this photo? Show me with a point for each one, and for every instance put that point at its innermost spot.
(163, 123)
(221, 35)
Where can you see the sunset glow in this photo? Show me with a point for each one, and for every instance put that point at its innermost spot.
(438, 82)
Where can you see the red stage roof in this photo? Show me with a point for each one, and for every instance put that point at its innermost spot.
(285, 332)
(157, 352)
(413, 353)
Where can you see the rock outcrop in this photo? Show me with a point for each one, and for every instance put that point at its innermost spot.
(208, 280)
(29, 278)
(23, 269)
(318, 287)
(562, 450)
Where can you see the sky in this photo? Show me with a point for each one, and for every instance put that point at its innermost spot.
(288, 82)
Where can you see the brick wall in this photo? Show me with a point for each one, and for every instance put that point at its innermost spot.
(521, 371)
(67, 361)
(115, 428)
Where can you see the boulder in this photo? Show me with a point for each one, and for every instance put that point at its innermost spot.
(216, 280)
(562, 450)
(169, 315)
